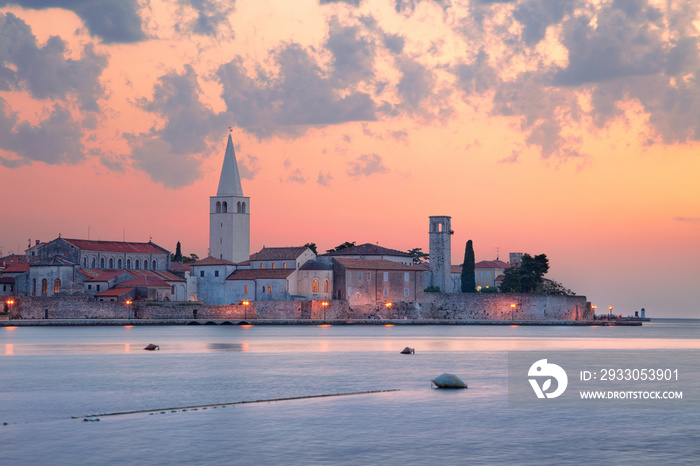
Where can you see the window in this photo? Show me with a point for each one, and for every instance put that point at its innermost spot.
(89, 287)
(269, 290)
(245, 289)
(45, 285)
(216, 273)
(111, 263)
(359, 275)
(172, 289)
(145, 265)
(201, 273)
(314, 286)
(102, 263)
(405, 276)
(263, 288)
(386, 291)
(284, 266)
(224, 207)
(128, 264)
(93, 262)
(482, 274)
(405, 292)
(56, 285)
(218, 207)
(368, 276)
(243, 208)
(119, 264)
(262, 266)
(137, 264)
(34, 286)
(325, 286)
(273, 265)
(386, 276)
(155, 265)
(238, 207)
(98, 287)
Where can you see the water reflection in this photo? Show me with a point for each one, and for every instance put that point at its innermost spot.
(225, 347)
(9, 349)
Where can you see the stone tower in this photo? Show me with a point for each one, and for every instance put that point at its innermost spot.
(229, 214)
(441, 252)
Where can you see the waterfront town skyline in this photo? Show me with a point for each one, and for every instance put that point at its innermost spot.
(434, 121)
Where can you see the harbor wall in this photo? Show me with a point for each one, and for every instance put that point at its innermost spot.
(446, 306)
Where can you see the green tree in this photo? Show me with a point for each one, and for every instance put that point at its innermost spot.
(177, 257)
(418, 255)
(468, 277)
(193, 258)
(527, 277)
(340, 247)
(312, 246)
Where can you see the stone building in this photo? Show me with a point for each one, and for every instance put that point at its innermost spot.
(315, 280)
(362, 281)
(368, 251)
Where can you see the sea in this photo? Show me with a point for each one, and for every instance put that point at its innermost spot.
(182, 403)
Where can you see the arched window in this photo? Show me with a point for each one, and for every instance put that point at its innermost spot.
(325, 286)
(128, 264)
(111, 263)
(44, 286)
(238, 207)
(315, 286)
(262, 266)
(137, 264)
(145, 265)
(84, 261)
(102, 263)
(218, 207)
(155, 265)
(224, 207)
(56, 286)
(274, 266)
(243, 208)
(119, 264)
(33, 286)
(93, 262)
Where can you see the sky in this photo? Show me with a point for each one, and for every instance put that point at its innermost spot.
(564, 127)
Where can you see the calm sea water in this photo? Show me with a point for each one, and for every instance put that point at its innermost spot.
(48, 375)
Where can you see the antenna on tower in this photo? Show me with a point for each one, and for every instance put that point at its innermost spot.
(230, 129)
(498, 252)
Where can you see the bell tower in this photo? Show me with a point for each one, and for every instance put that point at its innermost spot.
(229, 214)
(440, 233)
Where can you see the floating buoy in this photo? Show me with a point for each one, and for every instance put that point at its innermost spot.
(408, 350)
(448, 381)
(152, 347)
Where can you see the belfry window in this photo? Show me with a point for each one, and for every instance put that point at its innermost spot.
(243, 208)
(238, 207)
(224, 207)
(218, 207)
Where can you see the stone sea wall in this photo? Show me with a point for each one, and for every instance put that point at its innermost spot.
(445, 306)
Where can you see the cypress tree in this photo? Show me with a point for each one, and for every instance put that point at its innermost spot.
(468, 279)
(178, 253)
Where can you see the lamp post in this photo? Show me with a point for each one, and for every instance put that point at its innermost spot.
(593, 308)
(512, 310)
(245, 309)
(388, 305)
(610, 309)
(128, 308)
(325, 306)
(9, 302)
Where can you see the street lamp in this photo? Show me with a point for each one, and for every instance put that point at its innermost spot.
(610, 314)
(512, 309)
(325, 306)
(245, 309)
(128, 307)
(10, 302)
(593, 308)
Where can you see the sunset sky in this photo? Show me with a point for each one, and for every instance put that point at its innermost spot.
(569, 128)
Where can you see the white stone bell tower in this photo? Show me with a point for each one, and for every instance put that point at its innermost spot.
(229, 214)
(441, 252)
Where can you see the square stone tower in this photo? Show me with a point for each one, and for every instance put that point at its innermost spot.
(440, 252)
(229, 214)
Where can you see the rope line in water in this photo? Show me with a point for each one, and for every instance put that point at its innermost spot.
(137, 411)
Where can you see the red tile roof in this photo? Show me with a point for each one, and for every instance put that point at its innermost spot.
(53, 261)
(11, 259)
(179, 267)
(106, 276)
(90, 272)
(115, 292)
(497, 264)
(278, 254)
(150, 282)
(162, 274)
(254, 274)
(17, 267)
(368, 249)
(116, 246)
(209, 260)
(376, 264)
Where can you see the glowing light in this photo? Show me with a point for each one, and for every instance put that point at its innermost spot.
(11, 328)
(128, 326)
(515, 326)
(325, 325)
(388, 325)
(246, 326)
(389, 304)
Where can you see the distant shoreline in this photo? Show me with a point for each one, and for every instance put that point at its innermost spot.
(384, 322)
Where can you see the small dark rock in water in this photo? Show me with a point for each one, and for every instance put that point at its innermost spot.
(448, 381)
(408, 350)
(152, 347)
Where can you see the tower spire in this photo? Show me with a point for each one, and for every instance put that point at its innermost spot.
(230, 181)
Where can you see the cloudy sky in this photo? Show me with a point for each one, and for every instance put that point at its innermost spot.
(564, 127)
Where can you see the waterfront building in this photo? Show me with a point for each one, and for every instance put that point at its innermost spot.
(373, 281)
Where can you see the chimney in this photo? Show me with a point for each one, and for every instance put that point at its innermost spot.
(37, 242)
